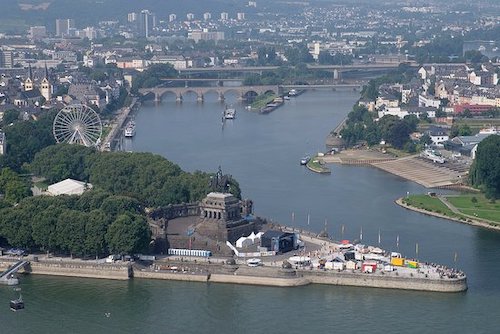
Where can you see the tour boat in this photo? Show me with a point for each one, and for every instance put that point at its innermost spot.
(229, 113)
(130, 129)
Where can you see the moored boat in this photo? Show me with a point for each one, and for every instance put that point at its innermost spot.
(17, 304)
(130, 129)
(305, 160)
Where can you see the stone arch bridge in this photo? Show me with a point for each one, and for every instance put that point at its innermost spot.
(243, 91)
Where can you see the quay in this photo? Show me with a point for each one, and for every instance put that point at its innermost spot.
(117, 125)
(275, 271)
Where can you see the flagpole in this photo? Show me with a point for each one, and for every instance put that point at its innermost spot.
(397, 242)
(361, 234)
(308, 219)
(379, 237)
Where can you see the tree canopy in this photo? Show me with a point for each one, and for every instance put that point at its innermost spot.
(151, 179)
(485, 171)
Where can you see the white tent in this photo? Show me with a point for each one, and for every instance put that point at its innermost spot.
(68, 187)
(252, 237)
(243, 242)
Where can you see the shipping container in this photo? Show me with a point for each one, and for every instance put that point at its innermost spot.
(412, 264)
(397, 261)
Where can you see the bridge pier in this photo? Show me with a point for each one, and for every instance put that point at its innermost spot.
(337, 75)
(178, 98)
(200, 98)
(157, 98)
(221, 97)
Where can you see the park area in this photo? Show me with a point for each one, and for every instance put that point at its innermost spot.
(462, 207)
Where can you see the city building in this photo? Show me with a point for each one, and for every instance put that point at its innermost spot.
(6, 59)
(64, 27)
(190, 16)
(207, 16)
(46, 88)
(224, 16)
(172, 18)
(198, 35)
(37, 32)
(147, 21)
(131, 17)
(252, 4)
(240, 16)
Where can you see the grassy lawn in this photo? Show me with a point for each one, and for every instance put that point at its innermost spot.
(429, 203)
(261, 101)
(317, 166)
(482, 208)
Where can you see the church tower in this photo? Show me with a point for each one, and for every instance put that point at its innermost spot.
(45, 86)
(28, 83)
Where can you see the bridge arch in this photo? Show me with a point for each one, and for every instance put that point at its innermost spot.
(166, 93)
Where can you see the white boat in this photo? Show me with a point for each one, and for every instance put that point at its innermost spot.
(130, 129)
(292, 92)
(229, 113)
(305, 160)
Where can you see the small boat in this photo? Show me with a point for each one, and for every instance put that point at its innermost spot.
(305, 160)
(293, 92)
(286, 97)
(229, 113)
(17, 304)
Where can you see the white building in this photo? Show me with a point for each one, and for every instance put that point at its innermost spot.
(428, 101)
(3, 144)
(224, 16)
(240, 16)
(172, 18)
(190, 16)
(68, 187)
(207, 16)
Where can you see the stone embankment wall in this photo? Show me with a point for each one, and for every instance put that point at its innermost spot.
(257, 280)
(253, 276)
(171, 276)
(379, 281)
(76, 269)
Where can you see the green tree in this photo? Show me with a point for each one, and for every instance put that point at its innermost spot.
(95, 232)
(62, 161)
(128, 234)
(425, 140)
(460, 130)
(44, 226)
(70, 231)
(10, 116)
(116, 205)
(13, 186)
(485, 170)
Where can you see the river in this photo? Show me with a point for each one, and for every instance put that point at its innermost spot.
(262, 152)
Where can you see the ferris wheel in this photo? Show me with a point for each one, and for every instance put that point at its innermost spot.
(77, 124)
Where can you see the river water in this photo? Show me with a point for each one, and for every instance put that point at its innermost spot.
(262, 152)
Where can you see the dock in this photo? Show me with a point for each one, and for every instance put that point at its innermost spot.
(117, 126)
